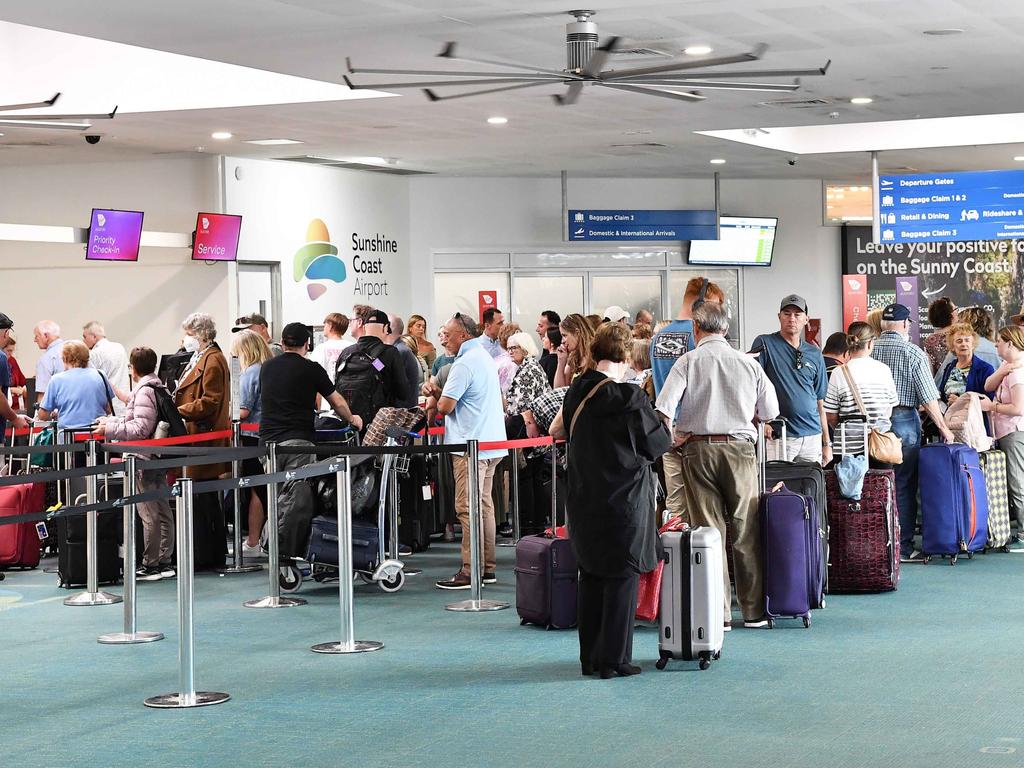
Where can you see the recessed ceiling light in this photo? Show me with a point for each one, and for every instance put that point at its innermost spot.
(943, 32)
(497, 120)
(1018, 158)
(861, 100)
(272, 142)
(220, 135)
(718, 161)
(698, 50)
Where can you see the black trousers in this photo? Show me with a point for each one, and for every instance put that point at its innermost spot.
(607, 611)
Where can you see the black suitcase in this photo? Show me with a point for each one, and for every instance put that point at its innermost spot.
(209, 534)
(71, 550)
(417, 516)
(323, 544)
(547, 582)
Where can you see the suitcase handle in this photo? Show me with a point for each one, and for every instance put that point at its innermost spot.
(762, 451)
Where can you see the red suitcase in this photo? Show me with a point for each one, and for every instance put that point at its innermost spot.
(19, 543)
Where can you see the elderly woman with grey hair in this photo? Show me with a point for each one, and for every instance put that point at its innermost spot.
(529, 380)
(202, 397)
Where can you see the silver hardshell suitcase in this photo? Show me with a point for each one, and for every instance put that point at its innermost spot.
(691, 620)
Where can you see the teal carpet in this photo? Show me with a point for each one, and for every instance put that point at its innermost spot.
(927, 676)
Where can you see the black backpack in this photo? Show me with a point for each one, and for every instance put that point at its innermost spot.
(358, 380)
(167, 411)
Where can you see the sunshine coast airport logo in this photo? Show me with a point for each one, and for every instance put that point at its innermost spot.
(318, 262)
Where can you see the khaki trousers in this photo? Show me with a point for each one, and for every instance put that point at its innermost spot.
(675, 493)
(721, 481)
(460, 464)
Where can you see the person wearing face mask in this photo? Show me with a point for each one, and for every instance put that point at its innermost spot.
(614, 436)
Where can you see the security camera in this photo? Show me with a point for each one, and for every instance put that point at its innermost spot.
(92, 138)
(791, 161)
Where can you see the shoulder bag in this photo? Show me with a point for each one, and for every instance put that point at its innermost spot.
(882, 446)
(579, 408)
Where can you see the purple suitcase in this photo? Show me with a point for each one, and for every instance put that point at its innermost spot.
(791, 553)
(547, 578)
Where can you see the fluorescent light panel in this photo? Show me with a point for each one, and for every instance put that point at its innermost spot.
(272, 142)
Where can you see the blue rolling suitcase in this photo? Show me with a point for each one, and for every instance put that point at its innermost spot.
(323, 545)
(954, 503)
(794, 570)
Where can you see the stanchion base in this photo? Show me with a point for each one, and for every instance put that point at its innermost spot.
(127, 638)
(274, 602)
(240, 568)
(358, 646)
(473, 606)
(181, 700)
(93, 598)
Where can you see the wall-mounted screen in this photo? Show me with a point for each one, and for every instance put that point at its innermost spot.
(114, 235)
(745, 241)
(216, 237)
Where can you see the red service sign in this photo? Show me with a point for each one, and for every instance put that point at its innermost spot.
(855, 299)
(487, 299)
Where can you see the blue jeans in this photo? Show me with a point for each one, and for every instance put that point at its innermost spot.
(907, 425)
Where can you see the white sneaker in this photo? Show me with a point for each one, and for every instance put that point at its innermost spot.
(727, 627)
(756, 624)
(252, 553)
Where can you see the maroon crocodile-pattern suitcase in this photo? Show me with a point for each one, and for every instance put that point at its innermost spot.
(864, 535)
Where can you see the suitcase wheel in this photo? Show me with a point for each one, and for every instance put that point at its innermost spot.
(704, 663)
(952, 560)
(291, 580)
(771, 623)
(394, 583)
(970, 555)
(807, 622)
(661, 662)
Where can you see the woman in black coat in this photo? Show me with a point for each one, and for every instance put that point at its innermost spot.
(614, 437)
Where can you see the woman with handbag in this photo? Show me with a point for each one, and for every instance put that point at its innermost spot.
(614, 437)
(864, 387)
(1006, 411)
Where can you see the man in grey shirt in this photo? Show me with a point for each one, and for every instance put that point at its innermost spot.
(718, 394)
(47, 338)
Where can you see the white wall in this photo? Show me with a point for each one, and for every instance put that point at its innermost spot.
(139, 303)
(496, 213)
(278, 200)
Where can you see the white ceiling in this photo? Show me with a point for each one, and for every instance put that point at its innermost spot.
(876, 46)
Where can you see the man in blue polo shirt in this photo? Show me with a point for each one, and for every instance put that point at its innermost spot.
(797, 369)
(471, 404)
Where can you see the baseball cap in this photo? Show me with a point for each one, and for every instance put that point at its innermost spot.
(615, 313)
(295, 335)
(896, 312)
(5, 322)
(245, 321)
(794, 300)
(378, 316)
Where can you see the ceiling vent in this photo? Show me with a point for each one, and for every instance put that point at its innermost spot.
(797, 103)
(331, 162)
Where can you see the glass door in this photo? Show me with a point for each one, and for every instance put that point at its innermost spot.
(632, 292)
(532, 294)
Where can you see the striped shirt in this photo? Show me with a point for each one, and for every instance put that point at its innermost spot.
(910, 369)
(878, 391)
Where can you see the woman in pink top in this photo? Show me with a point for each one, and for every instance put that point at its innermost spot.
(1007, 409)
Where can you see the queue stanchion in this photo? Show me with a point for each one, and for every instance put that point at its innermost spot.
(513, 481)
(131, 634)
(348, 643)
(92, 594)
(238, 565)
(274, 599)
(476, 603)
(187, 695)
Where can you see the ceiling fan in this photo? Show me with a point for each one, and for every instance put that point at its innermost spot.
(586, 63)
(48, 121)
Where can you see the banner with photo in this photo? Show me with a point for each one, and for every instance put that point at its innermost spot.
(986, 273)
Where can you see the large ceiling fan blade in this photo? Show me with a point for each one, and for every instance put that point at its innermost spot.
(446, 73)
(714, 85)
(437, 83)
(436, 97)
(33, 105)
(449, 53)
(818, 72)
(46, 125)
(599, 57)
(571, 95)
(57, 118)
(677, 95)
(739, 58)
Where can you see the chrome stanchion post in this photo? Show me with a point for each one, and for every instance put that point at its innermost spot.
(274, 599)
(348, 643)
(238, 566)
(130, 633)
(92, 594)
(475, 602)
(186, 696)
(513, 481)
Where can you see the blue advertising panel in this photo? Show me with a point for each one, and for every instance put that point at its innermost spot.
(937, 207)
(642, 225)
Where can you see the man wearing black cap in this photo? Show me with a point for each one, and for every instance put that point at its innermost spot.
(915, 388)
(257, 323)
(290, 385)
(6, 412)
(797, 370)
(370, 373)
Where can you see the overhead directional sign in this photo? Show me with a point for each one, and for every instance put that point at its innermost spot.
(936, 207)
(642, 225)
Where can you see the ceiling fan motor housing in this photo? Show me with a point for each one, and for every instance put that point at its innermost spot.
(580, 40)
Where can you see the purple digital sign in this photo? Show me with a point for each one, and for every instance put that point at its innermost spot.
(216, 237)
(114, 235)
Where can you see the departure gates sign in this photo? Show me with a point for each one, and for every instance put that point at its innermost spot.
(941, 207)
(642, 225)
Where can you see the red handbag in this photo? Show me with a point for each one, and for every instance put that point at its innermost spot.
(648, 599)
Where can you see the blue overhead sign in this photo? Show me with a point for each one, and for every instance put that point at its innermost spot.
(936, 207)
(642, 225)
